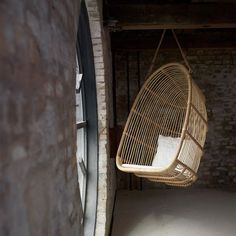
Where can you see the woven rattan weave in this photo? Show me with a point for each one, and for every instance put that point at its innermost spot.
(169, 104)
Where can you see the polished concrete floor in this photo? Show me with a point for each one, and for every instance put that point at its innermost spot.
(177, 212)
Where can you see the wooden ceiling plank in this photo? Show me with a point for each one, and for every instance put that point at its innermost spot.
(175, 16)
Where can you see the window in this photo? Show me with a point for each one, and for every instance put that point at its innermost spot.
(86, 121)
(81, 132)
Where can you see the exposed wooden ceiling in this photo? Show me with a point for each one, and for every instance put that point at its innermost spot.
(197, 38)
(137, 24)
(134, 15)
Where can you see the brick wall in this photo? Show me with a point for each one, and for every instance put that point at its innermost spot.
(215, 73)
(39, 189)
(106, 170)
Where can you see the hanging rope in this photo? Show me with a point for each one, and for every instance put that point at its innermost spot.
(181, 51)
(155, 55)
(158, 48)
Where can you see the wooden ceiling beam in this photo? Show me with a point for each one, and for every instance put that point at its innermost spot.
(130, 40)
(171, 16)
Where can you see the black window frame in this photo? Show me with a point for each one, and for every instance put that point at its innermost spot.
(85, 52)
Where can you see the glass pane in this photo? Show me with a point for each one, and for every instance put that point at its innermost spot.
(79, 107)
(81, 143)
(79, 75)
(81, 134)
(78, 80)
(81, 156)
(81, 181)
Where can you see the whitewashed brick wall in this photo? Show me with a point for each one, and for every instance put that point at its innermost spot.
(102, 60)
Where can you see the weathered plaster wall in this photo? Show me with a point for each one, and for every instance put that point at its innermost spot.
(39, 191)
(215, 73)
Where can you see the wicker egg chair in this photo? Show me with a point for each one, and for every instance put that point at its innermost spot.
(168, 117)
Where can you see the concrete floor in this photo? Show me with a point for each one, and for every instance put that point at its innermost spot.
(174, 212)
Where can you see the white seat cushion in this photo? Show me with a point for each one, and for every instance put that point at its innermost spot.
(166, 151)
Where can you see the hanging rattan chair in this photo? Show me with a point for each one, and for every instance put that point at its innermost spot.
(166, 129)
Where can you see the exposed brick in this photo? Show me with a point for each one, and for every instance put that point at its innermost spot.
(106, 189)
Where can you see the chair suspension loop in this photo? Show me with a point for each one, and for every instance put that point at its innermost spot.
(155, 55)
(181, 51)
(158, 49)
